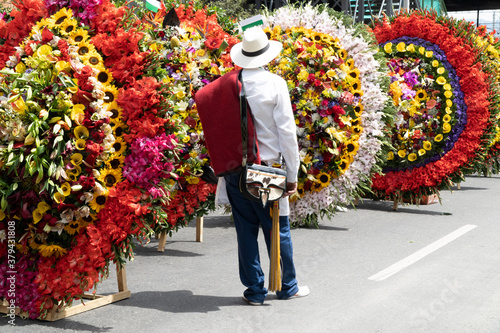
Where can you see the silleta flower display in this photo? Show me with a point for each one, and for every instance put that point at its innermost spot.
(340, 108)
(444, 100)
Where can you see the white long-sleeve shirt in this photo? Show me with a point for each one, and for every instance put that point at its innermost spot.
(269, 100)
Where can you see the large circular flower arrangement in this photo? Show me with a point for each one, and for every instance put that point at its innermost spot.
(335, 85)
(442, 95)
(99, 145)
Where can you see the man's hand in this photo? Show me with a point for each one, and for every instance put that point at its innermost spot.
(291, 188)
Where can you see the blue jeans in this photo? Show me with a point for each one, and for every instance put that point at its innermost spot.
(248, 216)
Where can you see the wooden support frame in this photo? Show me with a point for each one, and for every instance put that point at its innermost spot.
(90, 301)
(162, 240)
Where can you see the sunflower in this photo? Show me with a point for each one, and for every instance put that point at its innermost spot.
(323, 178)
(104, 76)
(352, 146)
(420, 95)
(350, 62)
(99, 201)
(77, 36)
(343, 165)
(356, 85)
(61, 15)
(119, 128)
(110, 93)
(342, 54)
(119, 146)
(93, 59)
(358, 109)
(50, 250)
(68, 26)
(34, 242)
(115, 109)
(110, 177)
(85, 47)
(115, 161)
(73, 227)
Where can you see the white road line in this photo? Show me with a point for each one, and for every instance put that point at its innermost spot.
(393, 269)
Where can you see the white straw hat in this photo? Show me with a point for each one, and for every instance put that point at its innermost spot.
(255, 50)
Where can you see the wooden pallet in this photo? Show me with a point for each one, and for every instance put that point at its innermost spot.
(90, 301)
(162, 239)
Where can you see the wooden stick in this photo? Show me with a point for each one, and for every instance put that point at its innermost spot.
(162, 241)
(199, 229)
(395, 206)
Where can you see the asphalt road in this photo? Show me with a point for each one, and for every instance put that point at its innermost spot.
(428, 268)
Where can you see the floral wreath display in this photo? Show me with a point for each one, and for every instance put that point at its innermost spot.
(94, 151)
(491, 55)
(186, 58)
(335, 84)
(443, 99)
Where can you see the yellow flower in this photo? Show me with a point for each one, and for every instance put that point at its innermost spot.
(85, 47)
(402, 153)
(429, 54)
(51, 250)
(449, 102)
(119, 145)
(115, 161)
(110, 177)
(43, 206)
(76, 159)
(63, 66)
(110, 93)
(412, 157)
(447, 86)
(302, 76)
(435, 63)
(448, 110)
(78, 36)
(323, 178)
(421, 152)
(342, 54)
(68, 26)
(344, 165)
(66, 189)
(427, 145)
(446, 118)
(37, 215)
(354, 73)
(61, 15)
(19, 105)
(411, 48)
(58, 197)
(73, 227)
(421, 94)
(388, 48)
(192, 180)
(358, 109)
(78, 113)
(421, 50)
(446, 127)
(351, 146)
(441, 80)
(401, 47)
(390, 156)
(99, 201)
(104, 76)
(81, 132)
(438, 138)
(20, 68)
(179, 92)
(448, 94)
(80, 144)
(441, 70)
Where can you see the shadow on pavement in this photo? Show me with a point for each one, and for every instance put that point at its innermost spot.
(179, 301)
(65, 324)
(402, 208)
(152, 251)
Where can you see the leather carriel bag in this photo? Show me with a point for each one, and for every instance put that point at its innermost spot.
(258, 182)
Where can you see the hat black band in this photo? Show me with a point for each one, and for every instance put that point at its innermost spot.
(256, 53)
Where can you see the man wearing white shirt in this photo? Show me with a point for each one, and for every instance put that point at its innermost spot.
(270, 105)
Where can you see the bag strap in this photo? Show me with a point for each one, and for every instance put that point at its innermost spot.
(244, 119)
